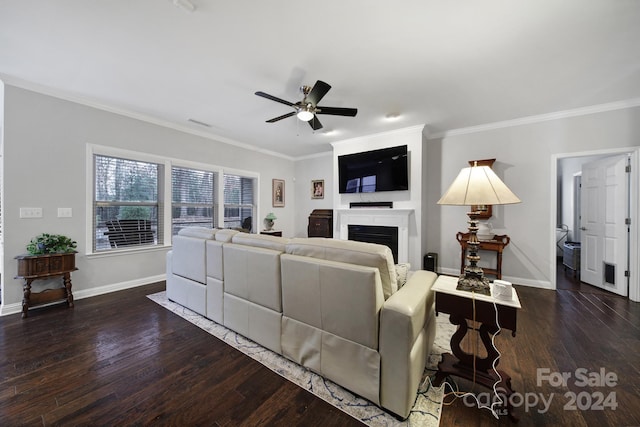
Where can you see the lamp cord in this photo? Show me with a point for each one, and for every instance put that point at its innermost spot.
(458, 394)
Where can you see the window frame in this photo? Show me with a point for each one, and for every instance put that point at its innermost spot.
(241, 206)
(164, 196)
(215, 205)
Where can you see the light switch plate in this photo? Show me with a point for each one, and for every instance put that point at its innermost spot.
(65, 213)
(30, 212)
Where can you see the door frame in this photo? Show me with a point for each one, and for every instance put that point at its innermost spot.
(634, 210)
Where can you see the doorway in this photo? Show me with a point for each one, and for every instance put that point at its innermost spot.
(566, 194)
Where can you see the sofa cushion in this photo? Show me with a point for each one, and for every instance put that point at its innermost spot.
(201, 232)
(225, 235)
(261, 241)
(189, 257)
(349, 251)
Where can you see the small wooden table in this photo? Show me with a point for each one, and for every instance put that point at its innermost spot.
(33, 267)
(496, 244)
(462, 306)
(277, 233)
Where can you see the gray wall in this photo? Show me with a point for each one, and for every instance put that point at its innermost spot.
(308, 169)
(524, 162)
(45, 142)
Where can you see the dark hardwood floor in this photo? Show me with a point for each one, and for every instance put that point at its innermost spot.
(120, 359)
(577, 326)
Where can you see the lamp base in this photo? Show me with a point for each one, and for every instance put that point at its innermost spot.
(473, 283)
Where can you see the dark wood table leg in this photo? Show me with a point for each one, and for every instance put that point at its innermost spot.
(26, 296)
(477, 369)
(67, 285)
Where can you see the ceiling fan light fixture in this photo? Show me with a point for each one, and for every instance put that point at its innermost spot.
(305, 115)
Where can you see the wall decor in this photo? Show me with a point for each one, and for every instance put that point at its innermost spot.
(277, 190)
(317, 189)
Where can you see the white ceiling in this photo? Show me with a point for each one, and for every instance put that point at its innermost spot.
(446, 64)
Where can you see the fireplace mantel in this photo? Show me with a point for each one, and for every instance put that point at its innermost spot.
(378, 216)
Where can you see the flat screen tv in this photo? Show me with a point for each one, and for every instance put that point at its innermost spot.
(372, 171)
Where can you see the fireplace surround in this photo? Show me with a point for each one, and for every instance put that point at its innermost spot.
(378, 217)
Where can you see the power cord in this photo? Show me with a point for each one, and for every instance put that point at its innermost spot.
(455, 391)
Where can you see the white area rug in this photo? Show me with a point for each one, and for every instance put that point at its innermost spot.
(425, 412)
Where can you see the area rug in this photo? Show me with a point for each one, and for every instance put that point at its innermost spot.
(425, 412)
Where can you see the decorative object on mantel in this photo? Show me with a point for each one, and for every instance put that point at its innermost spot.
(268, 221)
(317, 189)
(46, 243)
(277, 193)
(476, 185)
(485, 211)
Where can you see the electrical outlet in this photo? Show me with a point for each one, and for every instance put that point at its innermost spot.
(65, 213)
(30, 212)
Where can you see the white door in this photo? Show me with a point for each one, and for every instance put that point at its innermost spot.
(605, 234)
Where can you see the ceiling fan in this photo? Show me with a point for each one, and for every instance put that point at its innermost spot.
(307, 109)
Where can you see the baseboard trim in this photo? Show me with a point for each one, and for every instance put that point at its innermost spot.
(7, 309)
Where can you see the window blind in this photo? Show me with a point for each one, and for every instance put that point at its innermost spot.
(193, 198)
(126, 207)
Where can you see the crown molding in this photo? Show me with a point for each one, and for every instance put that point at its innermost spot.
(45, 90)
(583, 111)
(416, 128)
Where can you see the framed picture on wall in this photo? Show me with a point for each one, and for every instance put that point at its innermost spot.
(317, 189)
(277, 190)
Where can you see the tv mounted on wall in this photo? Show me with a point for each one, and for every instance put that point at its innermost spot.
(372, 171)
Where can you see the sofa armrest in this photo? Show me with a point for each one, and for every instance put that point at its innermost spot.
(403, 341)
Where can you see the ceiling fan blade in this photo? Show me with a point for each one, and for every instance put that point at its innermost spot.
(273, 98)
(337, 111)
(319, 90)
(315, 123)
(284, 116)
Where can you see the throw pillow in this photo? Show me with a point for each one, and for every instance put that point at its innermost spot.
(402, 270)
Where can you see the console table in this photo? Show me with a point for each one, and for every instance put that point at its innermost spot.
(496, 244)
(33, 267)
(463, 306)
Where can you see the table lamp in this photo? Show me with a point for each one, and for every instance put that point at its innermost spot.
(268, 221)
(476, 186)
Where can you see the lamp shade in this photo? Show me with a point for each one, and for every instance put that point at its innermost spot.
(478, 185)
(270, 216)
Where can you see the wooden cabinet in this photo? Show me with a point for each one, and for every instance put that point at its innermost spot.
(33, 267)
(320, 223)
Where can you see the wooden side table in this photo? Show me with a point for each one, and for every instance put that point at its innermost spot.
(461, 307)
(496, 244)
(33, 267)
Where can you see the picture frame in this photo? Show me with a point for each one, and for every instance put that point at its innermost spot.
(277, 192)
(317, 188)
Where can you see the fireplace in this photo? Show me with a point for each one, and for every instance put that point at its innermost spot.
(382, 235)
(378, 217)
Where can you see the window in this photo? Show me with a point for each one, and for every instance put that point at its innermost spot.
(126, 208)
(193, 198)
(238, 202)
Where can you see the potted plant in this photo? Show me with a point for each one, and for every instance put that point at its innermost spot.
(46, 243)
